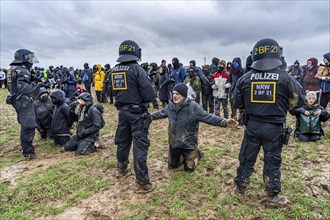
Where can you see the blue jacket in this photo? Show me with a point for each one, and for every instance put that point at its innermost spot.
(178, 75)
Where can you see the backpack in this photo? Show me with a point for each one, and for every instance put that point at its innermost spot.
(310, 124)
(85, 77)
(100, 108)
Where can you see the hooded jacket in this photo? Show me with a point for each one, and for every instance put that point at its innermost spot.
(61, 116)
(44, 111)
(214, 65)
(235, 74)
(310, 82)
(89, 119)
(184, 123)
(99, 78)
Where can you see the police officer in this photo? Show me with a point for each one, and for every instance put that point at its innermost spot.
(23, 90)
(133, 91)
(266, 93)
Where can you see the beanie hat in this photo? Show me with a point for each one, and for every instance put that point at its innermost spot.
(297, 62)
(222, 63)
(182, 89)
(327, 56)
(311, 94)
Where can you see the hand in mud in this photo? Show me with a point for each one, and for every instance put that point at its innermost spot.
(231, 123)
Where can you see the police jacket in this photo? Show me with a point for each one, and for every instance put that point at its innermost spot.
(61, 117)
(90, 121)
(21, 82)
(184, 123)
(267, 96)
(44, 113)
(131, 85)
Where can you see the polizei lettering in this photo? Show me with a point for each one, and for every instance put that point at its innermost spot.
(120, 68)
(263, 76)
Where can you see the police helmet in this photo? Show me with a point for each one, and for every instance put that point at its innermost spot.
(266, 55)
(129, 51)
(24, 56)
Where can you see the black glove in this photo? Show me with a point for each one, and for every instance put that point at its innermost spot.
(74, 104)
(80, 135)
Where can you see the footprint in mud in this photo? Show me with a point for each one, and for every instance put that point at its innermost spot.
(95, 215)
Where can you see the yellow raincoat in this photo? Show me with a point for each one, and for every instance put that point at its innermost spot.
(99, 78)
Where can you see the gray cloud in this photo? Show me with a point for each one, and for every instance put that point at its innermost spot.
(74, 32)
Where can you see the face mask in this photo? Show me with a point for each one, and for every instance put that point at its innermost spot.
(220, 69)
(235, 65)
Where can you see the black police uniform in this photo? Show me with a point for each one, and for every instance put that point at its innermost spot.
(266, 93)
(23, 91)
(133, 91)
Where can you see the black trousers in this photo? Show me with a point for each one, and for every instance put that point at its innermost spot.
(208, 101)
(130, 129)
(190, 158)
(81, 147)
(269, 136)
(27, 119)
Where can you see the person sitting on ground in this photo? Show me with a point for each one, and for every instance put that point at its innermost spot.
(61, 118)
(309, 118)
(44, 112)
(184, 116)
(90, 121)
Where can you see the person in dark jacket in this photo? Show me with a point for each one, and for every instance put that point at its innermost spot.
(69, 83)
(23, 90)
(214, 65)
(296, 72)
(309, 117)
(89, 122)
(266, 93)
(44, 113)
(178, 73)
(207, 91)
(164, 82)
(184, 116)
(87, 77)
(133, 92)
(236, 72)
(107, 88)
(61, 118)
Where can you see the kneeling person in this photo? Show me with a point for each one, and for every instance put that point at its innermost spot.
(90, 121)
(184, 116)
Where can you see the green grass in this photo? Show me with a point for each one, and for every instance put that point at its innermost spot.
(205, 194)
(51, 191)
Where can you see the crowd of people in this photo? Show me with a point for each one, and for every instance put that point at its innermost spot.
(259, 95)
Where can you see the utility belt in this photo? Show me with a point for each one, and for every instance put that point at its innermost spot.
(138, 109)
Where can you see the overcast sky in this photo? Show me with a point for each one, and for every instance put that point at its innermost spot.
(71, 33)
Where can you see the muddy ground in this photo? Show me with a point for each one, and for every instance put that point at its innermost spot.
(111, 202)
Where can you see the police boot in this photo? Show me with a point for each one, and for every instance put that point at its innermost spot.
(277, 202)
(145, 188)
(240, 190)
